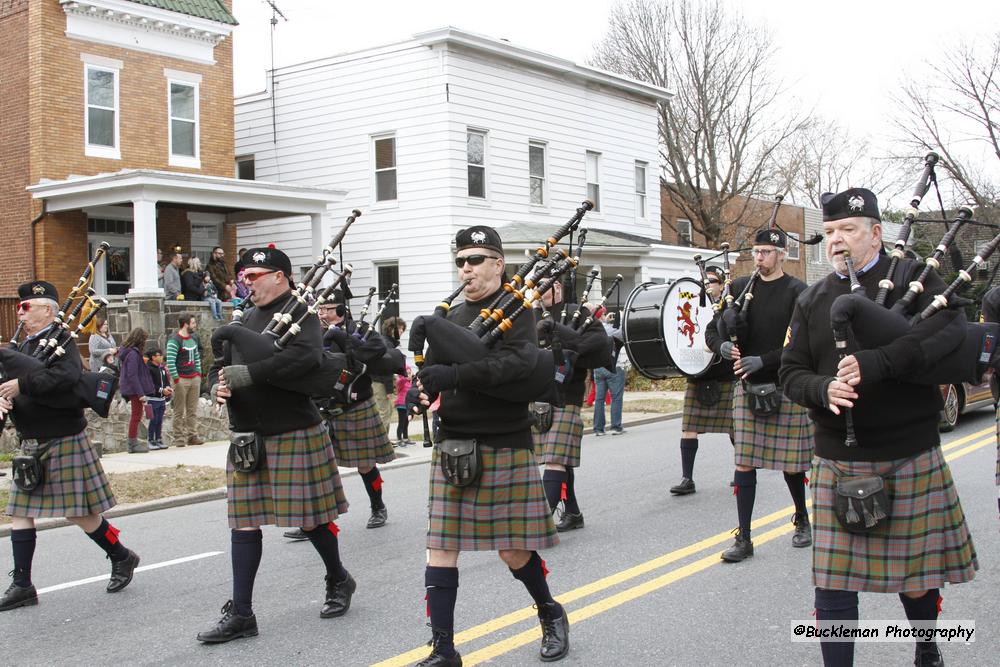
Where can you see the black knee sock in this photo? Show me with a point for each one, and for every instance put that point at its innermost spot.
(552, 482)
(571, 506)
(373, 485)
(22, 542)
(837, 606)
(924, 608)
(106, 537)
(324, 540)
(746, 492)
(532, 575)
(689, 448)
(796, 482)
(247, 546)
(442, 591)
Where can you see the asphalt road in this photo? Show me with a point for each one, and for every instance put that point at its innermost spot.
(642, 581)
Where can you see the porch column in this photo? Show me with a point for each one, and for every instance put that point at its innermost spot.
(316, 227)
(144, 249)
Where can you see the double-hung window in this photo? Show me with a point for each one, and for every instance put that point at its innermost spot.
(536, 173)
(101, 90)
(182, 100)
(475, 151)
(594, 179)
(640, 190)
(385, 168)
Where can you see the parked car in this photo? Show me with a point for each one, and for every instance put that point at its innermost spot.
(959, 399)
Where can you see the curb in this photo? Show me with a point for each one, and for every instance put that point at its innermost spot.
(219, 493)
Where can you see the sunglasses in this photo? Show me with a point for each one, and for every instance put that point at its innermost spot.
(24, 305)
(713, 282)
(251, 277)
(473, 260)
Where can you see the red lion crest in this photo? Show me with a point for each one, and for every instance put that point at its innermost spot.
(689, 328)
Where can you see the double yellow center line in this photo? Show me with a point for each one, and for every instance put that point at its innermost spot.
(981, 438)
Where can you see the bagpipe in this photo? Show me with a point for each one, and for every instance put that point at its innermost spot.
(972, 346)
(94, 390)
(366, 349)
(332, 375)
(451, 343)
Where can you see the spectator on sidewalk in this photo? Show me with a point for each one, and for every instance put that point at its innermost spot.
(135, 384)
(383, 385)
(172, 277)
(219, 272)
(403, 383)
(101, 344)
(212, 298)
(238, 266)
(612, 380)
(157, 400)
(193, 281)
(159, 268)
(184, 366)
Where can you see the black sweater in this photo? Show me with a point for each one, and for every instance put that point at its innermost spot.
(593, 346)
(31, 416)
(893, 419)
(466, 413)
(767, 315)
(263, 407)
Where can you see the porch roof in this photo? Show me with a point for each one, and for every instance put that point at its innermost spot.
(241, 200)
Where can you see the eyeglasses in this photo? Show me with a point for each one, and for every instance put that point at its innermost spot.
(762, 252)
(473, 260)
(24, 305)
(712, 281)
(251, 277)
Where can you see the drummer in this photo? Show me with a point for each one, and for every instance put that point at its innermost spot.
(708, 399)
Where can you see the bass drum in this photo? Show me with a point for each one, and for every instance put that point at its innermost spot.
(664, 329)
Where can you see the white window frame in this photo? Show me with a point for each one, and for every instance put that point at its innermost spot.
(476, 199)
(100, 63)
(793, 242)
(544, 147)
(395, 168)
(193, 81)
(640, 195)
(597, 178)
(817, 254)
(689, 235)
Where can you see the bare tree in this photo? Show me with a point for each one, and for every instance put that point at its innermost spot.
(720, 132)
(824, 157)
(958, 116)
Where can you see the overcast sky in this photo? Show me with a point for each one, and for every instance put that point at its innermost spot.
(843, 58)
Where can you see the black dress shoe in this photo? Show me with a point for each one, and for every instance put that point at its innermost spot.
(122, 571)
(18, 596)
(297, 534)
(803, 536)
(569, 522)
(231, 626)
(437, 658)
(338, 596)
(927, 655)
(378, 518)
(741, 550)
(684, 488)
(555, 634)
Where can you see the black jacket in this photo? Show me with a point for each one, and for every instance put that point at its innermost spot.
(35, 419)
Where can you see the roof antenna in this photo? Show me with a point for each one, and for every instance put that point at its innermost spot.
(275, 13)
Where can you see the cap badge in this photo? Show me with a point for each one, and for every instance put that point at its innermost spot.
(774, 237)
(259, 257)
(856, 203)
(478, 236)
(37, 289)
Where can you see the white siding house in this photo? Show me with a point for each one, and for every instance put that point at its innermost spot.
(452, 129)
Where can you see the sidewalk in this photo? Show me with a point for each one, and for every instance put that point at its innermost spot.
(213, 454)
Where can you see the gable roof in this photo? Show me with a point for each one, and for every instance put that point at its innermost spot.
(213, 10)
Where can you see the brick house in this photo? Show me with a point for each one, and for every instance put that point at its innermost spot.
(676, 229)
(118, 127)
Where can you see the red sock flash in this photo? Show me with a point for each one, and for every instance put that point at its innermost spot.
(112, 534)
(333, 528)
(377, 483)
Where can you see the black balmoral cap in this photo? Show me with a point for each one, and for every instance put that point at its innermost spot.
(37, 289)
(479, 236)
(268, 258)
(774, 237)
(852, 203)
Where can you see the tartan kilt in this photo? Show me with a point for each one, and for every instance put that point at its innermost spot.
(717, 418)
(780, 442)
(505, 509)
(360, 438)
(561, 443)
(300, 485)
(924, 544)
(74, 485)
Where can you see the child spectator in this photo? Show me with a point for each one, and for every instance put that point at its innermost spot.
(157, 400)
(212, 297)
(403, 383)
(134, 384)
